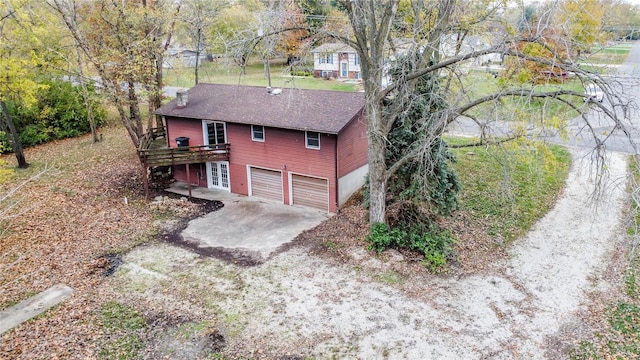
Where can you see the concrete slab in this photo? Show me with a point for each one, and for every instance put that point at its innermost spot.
(248, 224)
(33, 306)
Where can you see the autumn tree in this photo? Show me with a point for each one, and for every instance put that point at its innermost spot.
(582, 21)
(381, 32)
(621, 20)
(21, 54)
(124, 41)
(233, 31)
(291, 42)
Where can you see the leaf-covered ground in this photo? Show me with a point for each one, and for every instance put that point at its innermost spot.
(88, 204)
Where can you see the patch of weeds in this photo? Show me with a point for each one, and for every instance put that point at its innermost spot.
(123, 328)
(331, 246)
(631, 282)
(193, 329)
(390, 277)
(625, 318)
(585, 350)
(233, 323)
(622, 339)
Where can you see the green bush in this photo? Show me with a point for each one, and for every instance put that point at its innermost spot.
(434, 243)
(301, 73)
(59, 113)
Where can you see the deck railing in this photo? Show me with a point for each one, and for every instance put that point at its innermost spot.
(164, 156)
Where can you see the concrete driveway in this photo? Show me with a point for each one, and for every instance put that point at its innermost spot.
(250, 226)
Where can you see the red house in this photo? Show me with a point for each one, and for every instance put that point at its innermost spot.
(298, 147)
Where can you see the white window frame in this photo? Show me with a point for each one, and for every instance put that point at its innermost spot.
(205, 131)
(356, 61)
(253, 133)
(306, 140)
(325, 58)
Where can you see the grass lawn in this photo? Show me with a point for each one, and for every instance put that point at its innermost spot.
(615, 54)
(507, 188)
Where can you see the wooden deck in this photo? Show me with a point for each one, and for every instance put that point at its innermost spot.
(153, 152)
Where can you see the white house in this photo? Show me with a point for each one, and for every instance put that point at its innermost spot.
(336, 60)
(470, 43)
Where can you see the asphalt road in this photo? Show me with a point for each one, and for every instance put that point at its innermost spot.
(597, 128)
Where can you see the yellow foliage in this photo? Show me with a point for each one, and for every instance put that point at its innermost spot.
(582, 19)
(6, 172)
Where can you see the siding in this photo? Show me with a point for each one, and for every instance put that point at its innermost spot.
(282, 150)
(353, 146)
(190, 128)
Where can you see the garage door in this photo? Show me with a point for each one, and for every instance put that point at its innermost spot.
(266, 184)
(310, 191)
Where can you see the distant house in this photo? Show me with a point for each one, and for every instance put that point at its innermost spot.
(297, 147)
(178, 57)
(470, 43)
(337, 61)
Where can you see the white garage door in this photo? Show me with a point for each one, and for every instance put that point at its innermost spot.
(310, 191)
(266, 184)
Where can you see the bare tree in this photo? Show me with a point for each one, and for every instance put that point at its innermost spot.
(425, 41)
(198, 15)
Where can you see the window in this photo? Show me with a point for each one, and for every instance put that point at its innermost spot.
(214, 133)
(257, 133)
(357, 75)
(312, 139)
(325, 58)
(356, 61)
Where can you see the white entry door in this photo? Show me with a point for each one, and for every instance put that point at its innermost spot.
(218, 175)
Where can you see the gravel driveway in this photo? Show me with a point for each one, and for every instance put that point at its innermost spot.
(297, 305)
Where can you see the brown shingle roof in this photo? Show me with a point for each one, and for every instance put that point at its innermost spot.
(313, 110)
(334, 47)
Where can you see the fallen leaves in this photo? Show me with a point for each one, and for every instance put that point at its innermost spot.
(75, 217)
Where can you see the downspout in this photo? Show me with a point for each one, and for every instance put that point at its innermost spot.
(336, 172)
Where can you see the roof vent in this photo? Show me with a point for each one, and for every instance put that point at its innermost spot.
(182, 98)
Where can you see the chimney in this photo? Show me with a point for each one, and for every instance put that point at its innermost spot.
(183, 98)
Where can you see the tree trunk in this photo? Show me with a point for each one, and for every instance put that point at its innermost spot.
(134, 109)
(87, 100)
(377, 163)
(155, 98)
(13, 137)
(267, 71)
(198, 43)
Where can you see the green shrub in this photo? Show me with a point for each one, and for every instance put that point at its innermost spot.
(434, 243)
(59, 113)
(382, 237)
(300, 73)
